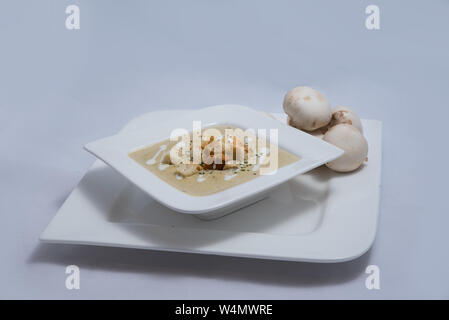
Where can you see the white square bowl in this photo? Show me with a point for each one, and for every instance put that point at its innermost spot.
(114, 151)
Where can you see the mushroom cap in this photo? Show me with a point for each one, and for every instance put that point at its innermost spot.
(319, 133)
(342, 114)
(307, 108)
(354, 144)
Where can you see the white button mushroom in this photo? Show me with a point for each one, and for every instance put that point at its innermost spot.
(307, 108)
(342, 114)
(354, 144)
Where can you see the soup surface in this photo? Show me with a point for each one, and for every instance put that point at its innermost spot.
(205, 181)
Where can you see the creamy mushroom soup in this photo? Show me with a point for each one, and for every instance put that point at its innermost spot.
(205, 179)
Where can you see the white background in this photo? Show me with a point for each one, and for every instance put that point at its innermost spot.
(60, 89)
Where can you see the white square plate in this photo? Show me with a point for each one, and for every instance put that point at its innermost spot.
(320, 216)
(114, 151)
